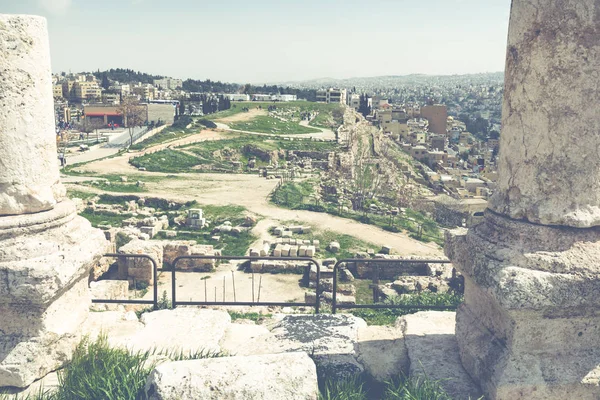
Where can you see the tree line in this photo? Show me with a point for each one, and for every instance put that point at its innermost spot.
(124, 75)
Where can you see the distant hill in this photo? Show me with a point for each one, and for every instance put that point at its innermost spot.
(397, 80)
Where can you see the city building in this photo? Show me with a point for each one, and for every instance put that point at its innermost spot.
(57, 90)
(331, 95)
(238, 97)
(163, 112)
(146, 92)
(86, 90)
(437, 115)
(168, 83)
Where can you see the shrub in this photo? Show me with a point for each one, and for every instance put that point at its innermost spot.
(207, 123)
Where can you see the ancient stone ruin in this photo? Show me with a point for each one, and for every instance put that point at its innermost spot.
(529, 326)
(46, 250)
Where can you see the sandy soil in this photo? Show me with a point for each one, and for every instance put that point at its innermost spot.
(191, 286)
(244, 116)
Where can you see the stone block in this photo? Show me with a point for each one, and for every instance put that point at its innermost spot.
(256, 266)
(108, 290)
(290, 376)
(302, 251)
(277, 250)
(334, 247)
(285, 250)
(310, 251)
(386, 250)
(293, 251)
(317, 244)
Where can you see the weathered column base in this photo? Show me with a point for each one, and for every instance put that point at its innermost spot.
(45, 259)
(530, 324)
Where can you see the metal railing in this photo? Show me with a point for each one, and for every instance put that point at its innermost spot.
(375, 280)
(155, 270)
(175, 303)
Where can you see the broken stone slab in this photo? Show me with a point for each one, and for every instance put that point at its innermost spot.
(382, 352)
(330, 338)
(108, 290)
(267, 377)
(433, 352)
(186, 330)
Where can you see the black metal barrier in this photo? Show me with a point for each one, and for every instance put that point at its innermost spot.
(154, 301)
(310, 261)
(335, 306)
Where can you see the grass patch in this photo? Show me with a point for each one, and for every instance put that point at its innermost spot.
(363, 387)
(166, 135)
(297, 196)
(104, 218)
(166, 160)
(266, 124)
(220, 155)
(256, 317)
(99, 371)
(294, 195)
(415, 302)
(78, 194)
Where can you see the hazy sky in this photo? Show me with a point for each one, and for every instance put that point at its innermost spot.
(274, 40)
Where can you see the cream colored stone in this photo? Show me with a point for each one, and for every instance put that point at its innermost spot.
(29, 180)
(549, 158)
(291, 376)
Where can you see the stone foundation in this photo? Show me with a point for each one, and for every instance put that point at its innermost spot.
(44, 298)
(530, 322)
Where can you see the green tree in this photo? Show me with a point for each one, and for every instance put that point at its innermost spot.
(134, 114)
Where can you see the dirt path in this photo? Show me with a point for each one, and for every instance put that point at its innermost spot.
(251, 191)
(244, 116)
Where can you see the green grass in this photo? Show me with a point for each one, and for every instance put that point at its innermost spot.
(166, 160)
(253, 316)
(416, 302)
(296, 196)
(297, 106)
(241, 148)
(78, 194)
(363, 387)
(166, 135)
(266, 124)
(98, 371)
(103, 217)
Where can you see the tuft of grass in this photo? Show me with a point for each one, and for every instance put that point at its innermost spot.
(253, 316)
(414, 388)
(98, 371)
(363, 387)
(352, 388)
(414, 302)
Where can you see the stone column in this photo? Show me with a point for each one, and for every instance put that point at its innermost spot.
(46, 250)
(530, 324)
(28, 174)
